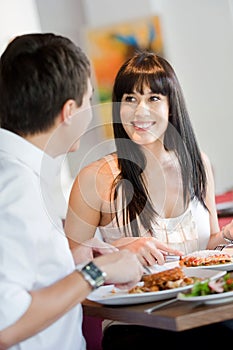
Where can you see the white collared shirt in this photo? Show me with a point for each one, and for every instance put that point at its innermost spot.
(34, 251)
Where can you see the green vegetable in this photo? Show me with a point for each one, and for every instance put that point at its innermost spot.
(203, 288)
(199, 288)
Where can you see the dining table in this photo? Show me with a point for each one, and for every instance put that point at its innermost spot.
(178, 316)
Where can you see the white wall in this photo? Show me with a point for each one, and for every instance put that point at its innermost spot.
(16, 18)
(63, 17)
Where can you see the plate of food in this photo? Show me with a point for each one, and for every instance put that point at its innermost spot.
(215, 291)
(154, 287)
(211, 259)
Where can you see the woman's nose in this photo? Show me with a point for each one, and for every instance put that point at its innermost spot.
(142, 109)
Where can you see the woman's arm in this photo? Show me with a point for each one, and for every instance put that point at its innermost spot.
(216, 236)
(91, 248)
(84, 210)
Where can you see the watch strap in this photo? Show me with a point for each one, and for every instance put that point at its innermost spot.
(92, 274)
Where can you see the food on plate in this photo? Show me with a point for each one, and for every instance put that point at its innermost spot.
(221, 285)
(168, 279)
(206, 258)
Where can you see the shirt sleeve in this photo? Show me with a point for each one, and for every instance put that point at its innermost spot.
(18, 239)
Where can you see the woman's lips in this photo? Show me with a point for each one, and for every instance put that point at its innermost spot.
(143, 125)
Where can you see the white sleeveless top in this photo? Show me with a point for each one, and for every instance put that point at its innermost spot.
(188, 232)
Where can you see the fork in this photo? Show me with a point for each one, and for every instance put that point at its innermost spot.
(156, 307)
(220, 247)
(147, 270)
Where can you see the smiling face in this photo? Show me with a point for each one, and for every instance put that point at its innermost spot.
(144, 116)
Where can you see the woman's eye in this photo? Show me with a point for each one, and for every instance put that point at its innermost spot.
(154, 98)
(129, 99)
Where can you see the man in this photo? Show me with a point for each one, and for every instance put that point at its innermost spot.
(45, 93)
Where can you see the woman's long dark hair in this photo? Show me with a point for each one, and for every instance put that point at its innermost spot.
(148, 69)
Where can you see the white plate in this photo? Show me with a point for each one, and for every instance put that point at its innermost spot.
(221, 267)
(209, 299)
(105, 295)
(205, 253)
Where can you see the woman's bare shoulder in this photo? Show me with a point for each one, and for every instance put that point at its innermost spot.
(100, 170)
(204, 156)
(206, 161)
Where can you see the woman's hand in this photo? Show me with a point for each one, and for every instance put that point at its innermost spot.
(148, 249)
(227, 231)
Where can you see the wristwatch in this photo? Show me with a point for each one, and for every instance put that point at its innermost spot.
(92, 274)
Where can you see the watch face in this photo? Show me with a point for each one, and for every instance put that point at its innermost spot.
(93, 275)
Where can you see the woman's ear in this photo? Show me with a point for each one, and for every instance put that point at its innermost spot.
(67, 110)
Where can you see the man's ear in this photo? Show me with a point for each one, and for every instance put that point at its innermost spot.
(67, 111)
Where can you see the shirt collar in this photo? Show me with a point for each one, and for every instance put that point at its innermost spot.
(41, 163)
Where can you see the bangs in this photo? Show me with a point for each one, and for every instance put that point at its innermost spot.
(158, 83)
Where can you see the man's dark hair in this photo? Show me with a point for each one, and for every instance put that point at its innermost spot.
(38, 74)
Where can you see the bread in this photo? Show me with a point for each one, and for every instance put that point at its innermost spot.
(160, 278)
(168, 279)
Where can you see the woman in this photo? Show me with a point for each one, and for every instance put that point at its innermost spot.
(158, 186)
